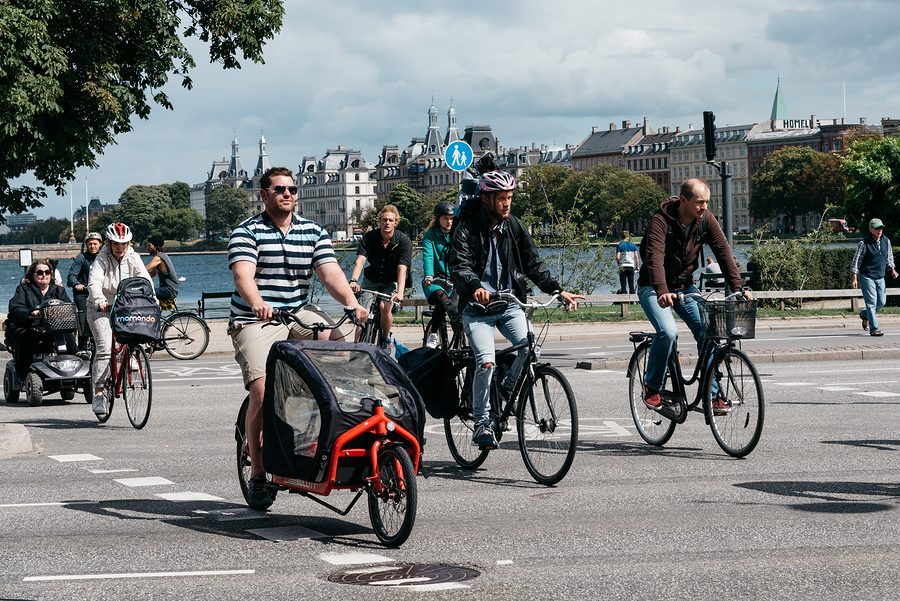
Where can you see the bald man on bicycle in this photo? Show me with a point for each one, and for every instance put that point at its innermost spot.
(670, 252)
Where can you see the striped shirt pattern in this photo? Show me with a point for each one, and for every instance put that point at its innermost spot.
(284, 263)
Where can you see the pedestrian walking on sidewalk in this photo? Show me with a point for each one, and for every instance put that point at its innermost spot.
(869, 265)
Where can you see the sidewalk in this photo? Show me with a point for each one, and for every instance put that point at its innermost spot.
(14, 438)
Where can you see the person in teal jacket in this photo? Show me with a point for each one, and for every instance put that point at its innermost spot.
(435, 247)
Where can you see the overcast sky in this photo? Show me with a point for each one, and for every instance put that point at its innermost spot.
(363, 74)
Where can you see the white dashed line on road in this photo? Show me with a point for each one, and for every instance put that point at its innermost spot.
(878, 394)
(188, 496)
(69, 458)
(346, 559)
(286, 533)
(137, 575)
(149, 481)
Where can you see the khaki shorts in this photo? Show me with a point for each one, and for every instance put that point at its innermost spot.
(252, 341)
(365, 299)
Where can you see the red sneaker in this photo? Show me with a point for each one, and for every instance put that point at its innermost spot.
(651, 398)
(721, 406)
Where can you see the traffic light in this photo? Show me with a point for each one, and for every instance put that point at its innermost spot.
(709, 134)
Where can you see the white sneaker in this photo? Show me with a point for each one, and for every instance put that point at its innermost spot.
(432, 341)
(134, 365)
(99, 404)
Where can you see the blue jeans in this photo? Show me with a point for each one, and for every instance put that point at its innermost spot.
(480, 331)
(874, 297)
(667, 332)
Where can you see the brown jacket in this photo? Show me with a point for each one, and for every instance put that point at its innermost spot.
(667, 258)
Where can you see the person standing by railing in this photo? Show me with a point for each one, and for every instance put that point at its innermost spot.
(869, 265)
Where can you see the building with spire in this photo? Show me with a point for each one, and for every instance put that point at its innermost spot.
(421, 164)
(232, 173)
(779, 108)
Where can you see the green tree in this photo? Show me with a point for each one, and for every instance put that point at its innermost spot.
(180, 194)
(74, 73)
(783, 185)
(412, 207)
(873, 167)
(611, 194)
(178, 224)
(49, 231)
(226, 208)
(537, 192)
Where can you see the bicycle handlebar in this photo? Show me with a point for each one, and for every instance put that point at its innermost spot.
(386, 297)
(507, 296)
(681, 296)
(283, 316)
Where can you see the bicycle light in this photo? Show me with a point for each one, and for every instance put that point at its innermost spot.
(391, 426)
(537, 351)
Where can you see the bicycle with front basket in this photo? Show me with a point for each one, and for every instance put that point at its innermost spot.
(541, 400)
(723, 372)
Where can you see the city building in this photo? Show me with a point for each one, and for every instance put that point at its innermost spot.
(515, 160)
(95, 208)
(232, 173)
(421, 164)
(650, 157)
(336, 190)
(20, 223)
(608, 146)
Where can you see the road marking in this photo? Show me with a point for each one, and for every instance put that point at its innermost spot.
(836, 388)
(793, 383)
(63, 503)
(286, 533)
(149, 481)
(81, 457)
(188, 496)
(111, 471)
(155, 380)
(853, 371)
(137, 575)
(504, 562)
(878, 393)
(345, 559)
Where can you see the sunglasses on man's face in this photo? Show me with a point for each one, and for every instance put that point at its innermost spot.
(41, 272)
(281, 189)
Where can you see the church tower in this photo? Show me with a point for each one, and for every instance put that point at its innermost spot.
(452, 130)
(434, 145)
(779, 108)
(262, 165)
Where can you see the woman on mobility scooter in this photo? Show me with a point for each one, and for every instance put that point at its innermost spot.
(23, 338)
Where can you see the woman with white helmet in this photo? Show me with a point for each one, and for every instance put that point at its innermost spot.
(115, 262)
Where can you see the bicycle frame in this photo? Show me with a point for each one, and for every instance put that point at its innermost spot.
(118, 372)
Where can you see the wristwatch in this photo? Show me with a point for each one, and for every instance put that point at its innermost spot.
(352, 280)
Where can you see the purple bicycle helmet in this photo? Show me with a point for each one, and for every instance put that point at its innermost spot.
(495, 181)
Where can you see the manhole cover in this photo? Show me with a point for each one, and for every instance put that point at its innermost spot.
(405, 575)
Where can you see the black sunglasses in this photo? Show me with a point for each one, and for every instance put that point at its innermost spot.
(41, 272)
(281, 189)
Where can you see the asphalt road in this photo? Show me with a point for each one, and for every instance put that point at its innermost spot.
(809, 514)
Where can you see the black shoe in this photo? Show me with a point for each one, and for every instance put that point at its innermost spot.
(259, 496)
(484, 437)
(876, 333)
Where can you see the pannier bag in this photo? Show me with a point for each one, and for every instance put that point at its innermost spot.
(135, 314)
(317, 390)
(431, 372)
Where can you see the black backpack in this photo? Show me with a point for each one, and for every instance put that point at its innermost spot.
(135, 314)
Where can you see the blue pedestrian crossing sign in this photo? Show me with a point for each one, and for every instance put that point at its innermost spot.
(458, 156)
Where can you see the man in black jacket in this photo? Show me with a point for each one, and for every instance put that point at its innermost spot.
(78, 278)
(491, 251)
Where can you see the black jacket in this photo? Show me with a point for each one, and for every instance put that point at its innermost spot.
(27, 297)
(469, 252)
(80, 271)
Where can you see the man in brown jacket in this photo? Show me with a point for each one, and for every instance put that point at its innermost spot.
(669, 252)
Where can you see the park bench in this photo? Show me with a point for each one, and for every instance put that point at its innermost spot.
(215, 305)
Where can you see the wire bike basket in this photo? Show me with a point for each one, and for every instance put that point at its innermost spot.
(59, 316)
(728, 319)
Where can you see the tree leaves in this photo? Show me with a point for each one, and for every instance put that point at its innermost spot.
(72, 74)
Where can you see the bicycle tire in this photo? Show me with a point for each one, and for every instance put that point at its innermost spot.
(137, 387)
(654, 428)
(393, 512)
(243, 456)
(110, 392)
(738, 431)
(185, 336)
(440, 330)
(460, 427)
(547, 425)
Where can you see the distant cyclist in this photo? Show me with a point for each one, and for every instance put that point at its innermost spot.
(492, 251)
(79, 277)
(161, 266)
(435, 248)
(115, 262)
(670, 251)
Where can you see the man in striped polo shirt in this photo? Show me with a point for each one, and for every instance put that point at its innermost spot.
(272, 256)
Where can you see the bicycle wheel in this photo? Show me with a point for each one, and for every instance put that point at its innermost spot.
(652, 427)
(137, 387)
(738, 430)
(547, 424)
(110, 392)
(393, 511)
(243, 456)
(185, 336)
(440, 330)
(460, 427)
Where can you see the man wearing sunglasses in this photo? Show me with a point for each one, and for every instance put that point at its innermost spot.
(272, 256)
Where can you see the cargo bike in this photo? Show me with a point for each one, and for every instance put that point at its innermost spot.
(339, 416)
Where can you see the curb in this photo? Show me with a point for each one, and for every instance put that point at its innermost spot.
(14, 440)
